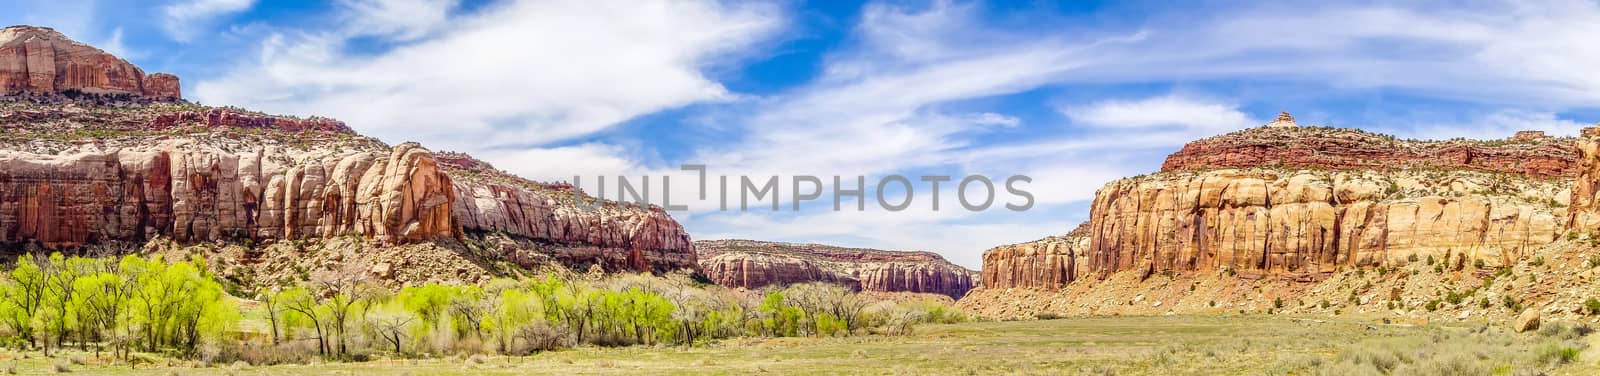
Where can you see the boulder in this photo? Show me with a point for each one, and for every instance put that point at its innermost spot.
(1527, 321)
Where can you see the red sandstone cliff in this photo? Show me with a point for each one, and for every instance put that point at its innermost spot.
(755, 264)
(39, 60)
(1305, 202)
(77, 174)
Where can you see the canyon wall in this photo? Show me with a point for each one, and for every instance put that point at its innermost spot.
(1044, 264)
(580, 229)
(79, 173)
(1312, 222)
(1301, 203)
(1584, 213)
(191, 191)
(754, 264)
(39, 60)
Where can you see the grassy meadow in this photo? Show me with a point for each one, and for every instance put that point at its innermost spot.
(1170, 345)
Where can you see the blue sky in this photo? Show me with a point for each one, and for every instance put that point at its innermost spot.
(1073, 94)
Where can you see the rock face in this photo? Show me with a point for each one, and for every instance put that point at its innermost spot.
(191, 191)
(582, 229)
(1301, 203)
(1044, 264)
(1312, 222)
(76, 176)
(753, 264)
(1584, 214)
(1349, 149)
(40, 60)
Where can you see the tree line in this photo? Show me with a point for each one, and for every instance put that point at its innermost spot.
(137, 304)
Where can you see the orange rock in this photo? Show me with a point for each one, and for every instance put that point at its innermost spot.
(40, 60)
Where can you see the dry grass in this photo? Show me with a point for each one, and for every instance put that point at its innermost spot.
(1171, 345)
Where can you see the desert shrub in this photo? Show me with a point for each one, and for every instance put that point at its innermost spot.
(1557, 354)
(1432, 305)
(1591, 306)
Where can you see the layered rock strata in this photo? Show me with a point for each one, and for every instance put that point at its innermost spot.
(754, 264)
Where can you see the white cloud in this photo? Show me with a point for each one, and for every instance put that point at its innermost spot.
(184, 19)
(520, 73)
(1170, 110)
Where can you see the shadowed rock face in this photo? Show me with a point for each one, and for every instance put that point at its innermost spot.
(754, 264)
(39, 60)
(1303, 202)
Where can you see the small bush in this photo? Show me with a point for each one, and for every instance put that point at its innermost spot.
(1591, 306)
(1277, 303)
(1537, 261)
(1433, 305)
(1047, 316)
(1453, 298)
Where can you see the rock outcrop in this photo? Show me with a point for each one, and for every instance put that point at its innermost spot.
(1313, 222)
(580, 228)
(39, 60)
(191, 191)
(74, 176)
(1302, 203)
(754, 264)
(1044, 264)
(86, 173)
(1584, 214)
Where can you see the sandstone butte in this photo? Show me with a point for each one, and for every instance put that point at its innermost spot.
(755, 264)
(39, 60)
(83, 175)
(1299, 203)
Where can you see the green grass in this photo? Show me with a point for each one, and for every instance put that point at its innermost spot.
(1111, 345)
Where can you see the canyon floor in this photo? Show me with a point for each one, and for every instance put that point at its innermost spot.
(1142, 345)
